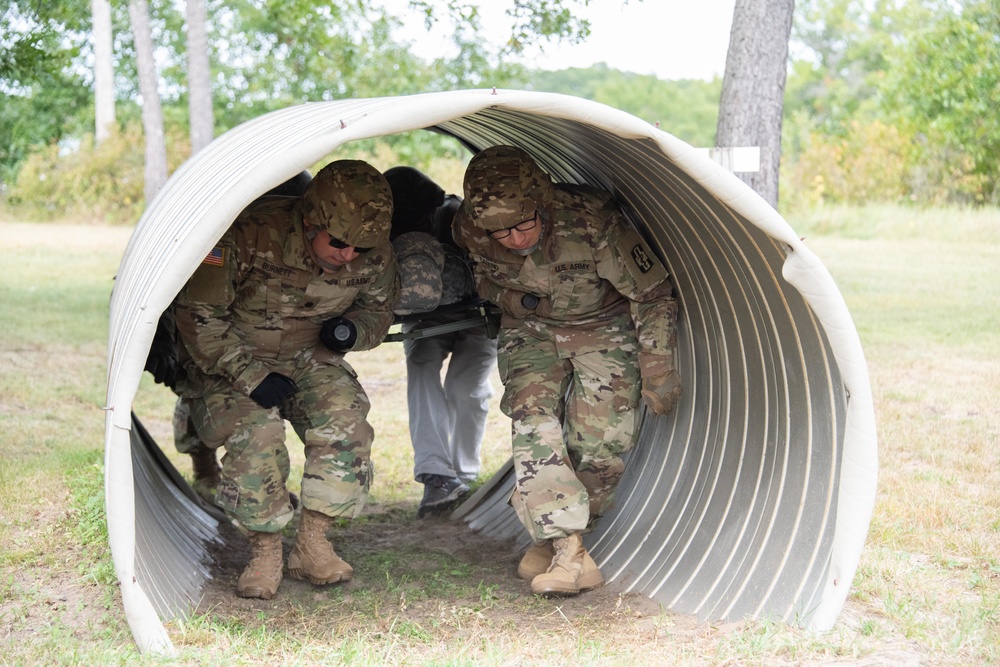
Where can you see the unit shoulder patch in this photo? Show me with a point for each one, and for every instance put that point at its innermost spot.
(642, 261)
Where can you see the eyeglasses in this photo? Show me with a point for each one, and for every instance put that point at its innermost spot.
(340, 245)
(523, 226)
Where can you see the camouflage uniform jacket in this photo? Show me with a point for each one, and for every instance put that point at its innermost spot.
(594, 269)
(258, 301)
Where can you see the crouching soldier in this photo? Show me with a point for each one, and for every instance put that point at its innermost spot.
(292, 286)
(170, 365)
(588, 328)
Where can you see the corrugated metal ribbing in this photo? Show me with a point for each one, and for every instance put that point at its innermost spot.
(176, 556)
(753, 499)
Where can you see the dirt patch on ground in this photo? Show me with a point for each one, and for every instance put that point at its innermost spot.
(425, 572)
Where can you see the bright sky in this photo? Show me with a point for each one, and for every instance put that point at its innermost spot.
(673, 39)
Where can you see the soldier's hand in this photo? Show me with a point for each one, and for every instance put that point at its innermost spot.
(162, 363)
(339, 334)
(273, 390)
(165, 370)
(661, 392)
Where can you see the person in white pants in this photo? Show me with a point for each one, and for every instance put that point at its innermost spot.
(447, 414)
(447, 419)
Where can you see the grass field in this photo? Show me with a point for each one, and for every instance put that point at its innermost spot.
(923, 288)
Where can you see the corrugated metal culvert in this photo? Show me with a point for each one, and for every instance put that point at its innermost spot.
(753, 499)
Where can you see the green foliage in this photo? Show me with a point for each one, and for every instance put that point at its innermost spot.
(688, 109)
(890, 101)
(837, 59)
(42, 100)
(42, 113)
(90, 183)
(547, 20)
(869, 163)
(946, 80)
(89, 521)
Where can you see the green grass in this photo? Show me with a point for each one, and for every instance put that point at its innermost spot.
(922, 287)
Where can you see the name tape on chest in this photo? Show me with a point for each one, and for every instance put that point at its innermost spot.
(572, 266)
(353, 281)
(275, 269)
(489, 264)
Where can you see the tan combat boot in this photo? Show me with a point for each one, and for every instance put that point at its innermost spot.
(535, 560)
(566, 570)
(313, 558)
(262, 575)
(538, 558)
(206, 473)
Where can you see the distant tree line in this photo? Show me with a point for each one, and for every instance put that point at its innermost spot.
(887, 100)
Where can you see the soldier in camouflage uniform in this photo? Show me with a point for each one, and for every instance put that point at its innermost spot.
(267, 317)
(447, 417)
(588, 328)
(170, 365)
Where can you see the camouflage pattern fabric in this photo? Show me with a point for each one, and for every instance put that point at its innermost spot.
(352, 201)
(186, 437)
(457, 282)
(447, 409)
(571, 367)
(329, 414)
(421, 261)
(504, 186)
(591, 266)
(255, 306)
(572, 420)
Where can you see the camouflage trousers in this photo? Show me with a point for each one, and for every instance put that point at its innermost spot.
(572, 419)
(186, 438)
(329, 414)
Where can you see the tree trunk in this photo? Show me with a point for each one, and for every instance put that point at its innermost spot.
(753, 87)
(104, 71)
(152, 113)
(199, 77)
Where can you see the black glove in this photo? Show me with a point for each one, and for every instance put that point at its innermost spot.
(163, 367)
(273, 390)
(162, 360)
(339, 334)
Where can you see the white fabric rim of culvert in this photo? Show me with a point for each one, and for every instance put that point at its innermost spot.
(752, 500)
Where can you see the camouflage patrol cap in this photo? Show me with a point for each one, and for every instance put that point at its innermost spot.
(352, 201)
(504, 186)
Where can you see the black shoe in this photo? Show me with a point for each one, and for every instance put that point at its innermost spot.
(439, 493)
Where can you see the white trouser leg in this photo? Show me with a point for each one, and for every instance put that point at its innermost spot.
(468, 390)
(430, 423)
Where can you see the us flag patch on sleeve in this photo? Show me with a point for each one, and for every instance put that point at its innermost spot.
(215, 257)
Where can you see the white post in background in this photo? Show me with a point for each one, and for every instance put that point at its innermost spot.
(737, 159)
